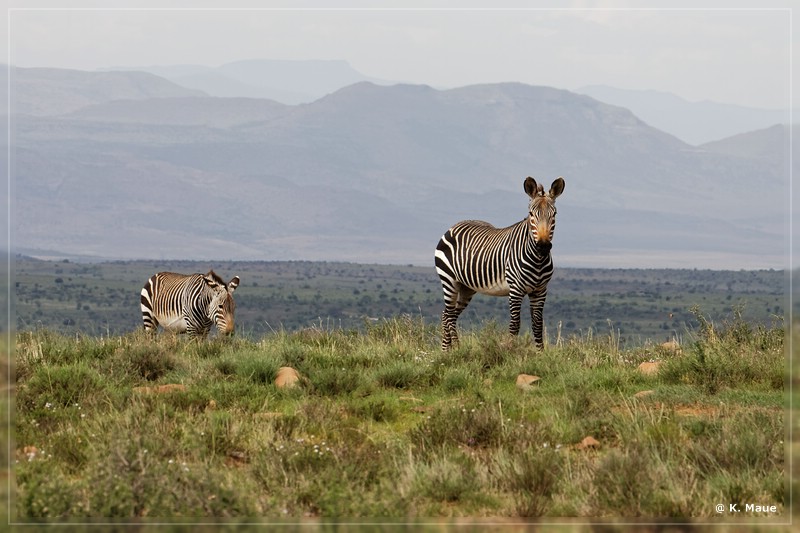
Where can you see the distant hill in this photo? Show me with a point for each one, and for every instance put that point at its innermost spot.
(769, 144)
(376, 173)
(694, 122)
(288, 82)
(186, 111)
(49, 91)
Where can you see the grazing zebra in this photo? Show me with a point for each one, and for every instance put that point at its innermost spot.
(188, 303)
(474, 256)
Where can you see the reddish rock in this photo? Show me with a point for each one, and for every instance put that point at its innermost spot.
(588, 443)
(526, 381)
(160, 389)
(287, 377)
(649, 369)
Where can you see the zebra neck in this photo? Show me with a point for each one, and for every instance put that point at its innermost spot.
(532, 253)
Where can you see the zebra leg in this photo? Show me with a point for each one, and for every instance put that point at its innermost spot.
(146, 303)
(515, 305)
(150, 322)
(448, 327)
(449, 315)
(537, 316)
(452, 310)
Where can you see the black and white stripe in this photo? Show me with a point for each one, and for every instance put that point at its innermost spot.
(475, 257)
(189, 303)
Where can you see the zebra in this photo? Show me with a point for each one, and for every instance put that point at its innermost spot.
(189, 303)
(473, 256)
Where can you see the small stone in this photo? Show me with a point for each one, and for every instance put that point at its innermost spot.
(287, 377)
(643, 393)
(160, 389)
(588, 443)
(526, 381)
(648, 369)
(671, 346)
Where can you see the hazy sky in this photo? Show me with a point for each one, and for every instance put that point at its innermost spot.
(739, 56)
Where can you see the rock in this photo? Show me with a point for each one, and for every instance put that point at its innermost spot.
(588, 443)
(526, 381)
(643, 393)
(286, 378)
(671, 346)
(160, 389)
(649, 369)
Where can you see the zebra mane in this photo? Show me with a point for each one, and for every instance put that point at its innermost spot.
(213, 275)
(539, 189)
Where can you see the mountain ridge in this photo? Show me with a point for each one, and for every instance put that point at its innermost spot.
(374, 173)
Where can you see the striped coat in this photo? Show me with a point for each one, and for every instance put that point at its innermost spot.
(475, 257)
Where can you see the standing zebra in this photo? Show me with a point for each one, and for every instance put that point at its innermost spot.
(188, 303)
(474, 256)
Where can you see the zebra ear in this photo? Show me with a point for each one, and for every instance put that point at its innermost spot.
(210, 278)
(530, 186)
(557, 188)
(232, 284)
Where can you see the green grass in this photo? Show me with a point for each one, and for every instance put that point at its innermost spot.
(386, 425)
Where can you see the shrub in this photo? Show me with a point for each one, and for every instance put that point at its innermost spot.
(447, 479)
(400, 375)
(624, 482)
(149, 361)
(532, 474)
(475, 427)
(335, 381)
(62, 386)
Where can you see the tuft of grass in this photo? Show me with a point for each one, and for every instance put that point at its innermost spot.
(474, 427)
(532, 474)
(400, 375)
(149, 362)
(725, 357)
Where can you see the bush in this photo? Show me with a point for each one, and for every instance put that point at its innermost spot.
(474, 427)
(62, 386)
(400, 375)
(533, 475)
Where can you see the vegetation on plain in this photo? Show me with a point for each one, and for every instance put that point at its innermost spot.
(384, 424)
(639, 304)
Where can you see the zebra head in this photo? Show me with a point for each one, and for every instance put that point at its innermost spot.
(542, 212)
(222, 306)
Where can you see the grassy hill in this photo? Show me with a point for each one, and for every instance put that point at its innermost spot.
(383, 424)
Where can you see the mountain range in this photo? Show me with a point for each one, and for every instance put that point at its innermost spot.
(130, 165)
(694, 122)
(298, 82)
(288, 82)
